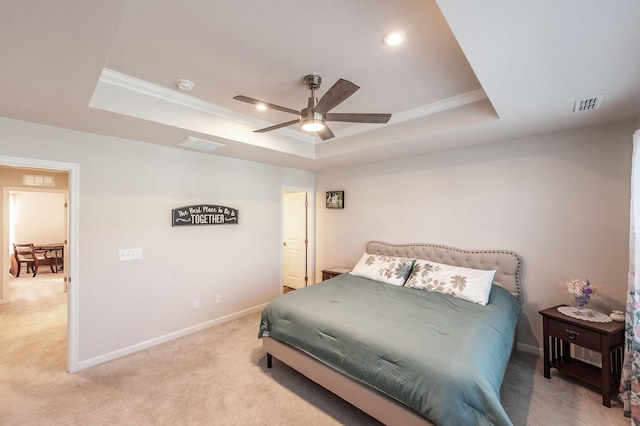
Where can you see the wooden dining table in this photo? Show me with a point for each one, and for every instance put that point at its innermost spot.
(57, 249)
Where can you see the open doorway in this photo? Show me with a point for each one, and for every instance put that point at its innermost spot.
(12, 174)
(36, 298)
(38, 216)
(297, 265)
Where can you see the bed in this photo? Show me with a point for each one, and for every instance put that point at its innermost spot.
(404, 347)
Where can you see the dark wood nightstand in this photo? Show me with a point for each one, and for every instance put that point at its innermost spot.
(332, 272)
(561, 331)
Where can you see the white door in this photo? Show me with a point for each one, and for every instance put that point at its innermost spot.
(294, 268)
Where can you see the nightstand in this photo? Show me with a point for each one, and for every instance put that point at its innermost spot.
(562, 331)
(332, 272)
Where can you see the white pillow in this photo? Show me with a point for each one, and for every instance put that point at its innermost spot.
(387, 269)
(473, 285)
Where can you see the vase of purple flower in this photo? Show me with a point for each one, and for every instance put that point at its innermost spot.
(581, 290)
(582, 301)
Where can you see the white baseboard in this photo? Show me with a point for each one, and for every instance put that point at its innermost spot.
(529, 349)
(582, 354)
(166, 338)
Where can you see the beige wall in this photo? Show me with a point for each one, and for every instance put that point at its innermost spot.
(126, 192)
(39, 217)
(560, 200)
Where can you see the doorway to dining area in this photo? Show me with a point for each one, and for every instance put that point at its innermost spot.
(38, 218)
(16, 173)
(34, 309)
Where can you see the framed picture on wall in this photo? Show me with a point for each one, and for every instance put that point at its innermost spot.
(335, 199)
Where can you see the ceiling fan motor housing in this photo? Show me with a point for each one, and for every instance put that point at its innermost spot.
(312, 81)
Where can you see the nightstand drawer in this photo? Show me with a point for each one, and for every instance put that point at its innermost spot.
(575, 334)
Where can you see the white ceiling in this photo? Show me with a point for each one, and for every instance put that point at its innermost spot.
(468, 73)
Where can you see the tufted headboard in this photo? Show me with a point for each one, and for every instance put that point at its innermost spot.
(506, 263)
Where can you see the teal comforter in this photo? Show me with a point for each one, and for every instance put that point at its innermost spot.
(442, 356)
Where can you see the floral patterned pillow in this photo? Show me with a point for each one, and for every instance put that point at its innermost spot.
(388, 269)
(473, 285)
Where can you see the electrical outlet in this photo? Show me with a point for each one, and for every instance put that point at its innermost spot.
(130, 254)
(218, 298)
(196, 303)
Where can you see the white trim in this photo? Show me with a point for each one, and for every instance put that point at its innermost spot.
(146, 88)
(583, 354)
(439, 106)
(132, 84)
(421, 111)
(167, 337)
(73, 296)
(529, 349)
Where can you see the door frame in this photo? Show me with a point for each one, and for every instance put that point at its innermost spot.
(310, 233)
(73, 249)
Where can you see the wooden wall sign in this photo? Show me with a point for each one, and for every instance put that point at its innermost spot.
(203, 214)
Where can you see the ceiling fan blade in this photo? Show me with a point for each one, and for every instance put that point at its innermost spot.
(358, 118)
(277, 126)
(325, 133)
(340, 91)
(267, 104)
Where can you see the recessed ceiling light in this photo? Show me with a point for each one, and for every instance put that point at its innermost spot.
(394, 38)
(261, 107)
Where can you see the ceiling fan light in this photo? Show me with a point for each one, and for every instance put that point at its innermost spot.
(312, 121)
(312, 125)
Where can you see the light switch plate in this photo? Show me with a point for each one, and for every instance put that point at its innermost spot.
(130, 254)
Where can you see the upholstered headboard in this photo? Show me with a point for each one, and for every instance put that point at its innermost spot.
(506, 263)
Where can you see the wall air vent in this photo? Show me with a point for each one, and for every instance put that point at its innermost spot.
(199, 144)
(588, 104)
(38, 180)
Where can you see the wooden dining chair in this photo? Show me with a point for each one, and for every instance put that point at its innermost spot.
(23, 254)
(41, 258)
(27, 254)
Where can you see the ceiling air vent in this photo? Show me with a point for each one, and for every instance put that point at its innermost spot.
(199, 144)
(588, 104)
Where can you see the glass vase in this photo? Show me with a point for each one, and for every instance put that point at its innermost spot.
(582, 301)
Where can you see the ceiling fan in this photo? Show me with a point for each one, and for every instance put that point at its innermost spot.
(314, 116)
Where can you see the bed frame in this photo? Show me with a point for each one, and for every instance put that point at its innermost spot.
(379, 406)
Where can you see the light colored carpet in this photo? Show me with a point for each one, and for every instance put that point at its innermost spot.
(214, 377)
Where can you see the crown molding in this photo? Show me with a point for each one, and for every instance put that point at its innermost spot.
(146, 88)
(137, 85)
(421, 111)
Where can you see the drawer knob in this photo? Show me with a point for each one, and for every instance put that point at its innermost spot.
(572, 334)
